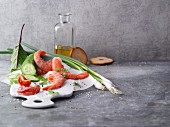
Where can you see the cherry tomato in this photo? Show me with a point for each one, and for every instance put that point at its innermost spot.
(23, 81)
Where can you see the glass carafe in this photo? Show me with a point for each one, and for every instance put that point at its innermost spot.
(64, 35)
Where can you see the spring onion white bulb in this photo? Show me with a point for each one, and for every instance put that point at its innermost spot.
(99, 86)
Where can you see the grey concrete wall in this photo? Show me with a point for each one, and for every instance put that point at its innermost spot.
(125, 30)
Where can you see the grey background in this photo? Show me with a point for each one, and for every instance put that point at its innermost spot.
(125, 30)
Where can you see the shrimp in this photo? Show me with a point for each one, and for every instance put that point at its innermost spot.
(82, 75)
(57, 66)
(56, 79)
(40, 72)
(45, 66)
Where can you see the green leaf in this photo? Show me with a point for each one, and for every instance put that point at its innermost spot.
(18, 55)
(52, 92)
(17, 58)
(13, 81)
(43, 81)
(77, 84)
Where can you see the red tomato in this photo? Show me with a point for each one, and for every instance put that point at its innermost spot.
(23, 81)
(26, 91)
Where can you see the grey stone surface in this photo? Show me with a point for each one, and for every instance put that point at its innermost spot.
(145, 103)
(126, 30)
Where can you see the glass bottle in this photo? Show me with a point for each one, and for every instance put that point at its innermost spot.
(64, 35)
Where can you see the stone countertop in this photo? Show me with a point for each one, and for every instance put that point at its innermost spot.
(146, 100)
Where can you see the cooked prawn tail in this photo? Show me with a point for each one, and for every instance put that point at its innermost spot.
(57, 64)
(82, 75)
(41, 63)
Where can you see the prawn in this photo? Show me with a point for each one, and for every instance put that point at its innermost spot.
(44, 66)
(56, 79)
(57, 66)
(82, 75)
(40, 72)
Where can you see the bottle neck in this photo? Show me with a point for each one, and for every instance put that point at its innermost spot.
(64, 18)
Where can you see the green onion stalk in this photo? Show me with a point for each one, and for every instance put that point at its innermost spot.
(82, 67)
(5, 52)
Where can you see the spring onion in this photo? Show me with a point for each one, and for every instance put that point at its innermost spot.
(82, 67)
(5, 52)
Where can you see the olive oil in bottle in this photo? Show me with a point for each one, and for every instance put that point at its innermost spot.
(64, 35)
(63, 50)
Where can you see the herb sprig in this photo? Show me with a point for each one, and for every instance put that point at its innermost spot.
(52, 92)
